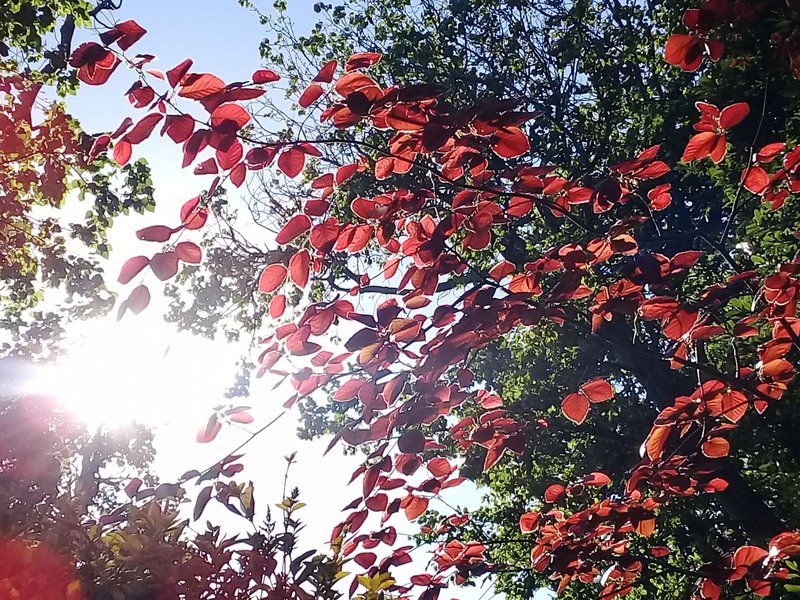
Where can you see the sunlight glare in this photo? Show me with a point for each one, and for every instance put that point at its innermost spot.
(118, 373)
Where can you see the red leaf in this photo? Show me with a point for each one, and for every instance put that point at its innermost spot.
(137, 301)
(207, 167)
(291, 161)
(300, 267)
(554, 493)
(229, 118)
(164, 265)
(733, 114)
(439, 467)
(155, 233)
(126, 34)
(209, 431)
(596, 479)
(95, 64)
(756, 180)
(365, 559)
(192, 216)
(122, 152)
(501, 270)
(716, 447)
(188, 252)
(238, 174)
(271, 278)
(377, 503)
(296, 226)
(178, 127)
(326, 73)
(202, 500)
(100, 145)
(700, 146)
(277, 306)
(142, 130)
(349, 389)
(200, 85)
(415, 506)
(265, 76)
(310, 95)
(575, 407)
(133, 487)
(598, 390)
(131, 268)
(362, 60)
(528, 522)
(176, 73)
(510, 142)
(660, 196)
(412, 441)
(749, 555)
(679, 47)
(241, 416)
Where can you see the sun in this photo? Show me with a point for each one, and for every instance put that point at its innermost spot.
(139, 370)
(111, 375)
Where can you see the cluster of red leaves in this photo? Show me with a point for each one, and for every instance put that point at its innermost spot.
(774, 187)
(713, 123)
(579, 547)
(391, 372)
(760, 569)
(688, 50)
(38, 148)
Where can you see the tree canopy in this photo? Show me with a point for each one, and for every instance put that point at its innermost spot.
(550, 248)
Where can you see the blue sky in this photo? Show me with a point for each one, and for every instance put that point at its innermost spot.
(149, 367)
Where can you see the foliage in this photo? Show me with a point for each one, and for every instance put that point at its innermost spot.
(46, 163)
(535, 295)
(66, 534)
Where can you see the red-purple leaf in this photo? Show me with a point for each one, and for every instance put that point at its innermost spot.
(277, 306)
(200, 85)
(295, 227)
(132, 267)
(164, 264)
(575, 407)
(122, 152)
(209, 431)
(188, 252)
(412, 441)
(300, 268)
(291, 161)
(310, 95)
(265, 76)
(271, 278)
(155, 233)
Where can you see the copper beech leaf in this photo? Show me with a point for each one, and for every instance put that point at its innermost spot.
(200, 85)
(272, 277)
(277, 306)
(294, 228)
(188, 252)
(310, 95)
(164, 264)
(209, 431)
(300, 268)
(575, 407)
(265, 76)
(291, 161)
(132, 267)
